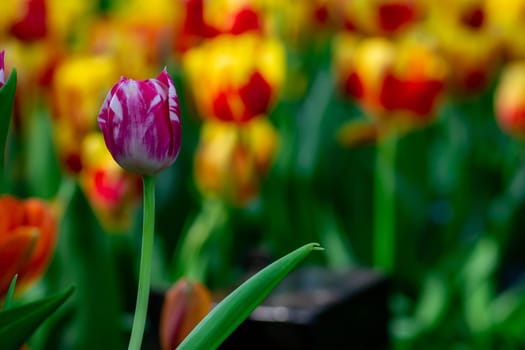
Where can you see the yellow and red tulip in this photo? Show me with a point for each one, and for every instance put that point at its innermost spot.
(506, 17)
(79, 87)
(378, 17)
(510, 99)
(204, 19)
(468, 42)
(231, 159)
(242, 76)
(399, 82)
(112, 192)
(27, 240)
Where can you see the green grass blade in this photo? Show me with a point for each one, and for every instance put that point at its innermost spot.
(237, 306)
(10, 293)
(7, 97)
(18, 323)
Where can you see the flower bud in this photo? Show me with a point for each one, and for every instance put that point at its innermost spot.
(185, 304)
(141, 125)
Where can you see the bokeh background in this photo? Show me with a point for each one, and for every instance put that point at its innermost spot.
(390, 131)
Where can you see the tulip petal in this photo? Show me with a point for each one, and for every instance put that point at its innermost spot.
(39, 216)
(15, 252)
(11, 214)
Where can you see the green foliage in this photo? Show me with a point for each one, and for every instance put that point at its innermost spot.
(7, 98)
(10, 292)
(18, 323)
(236, 307)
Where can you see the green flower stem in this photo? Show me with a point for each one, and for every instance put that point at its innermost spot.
(141, 308)
(384, 203)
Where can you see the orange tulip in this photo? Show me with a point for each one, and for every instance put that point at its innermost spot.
(27, 240)
(185, 304)
(510, 99)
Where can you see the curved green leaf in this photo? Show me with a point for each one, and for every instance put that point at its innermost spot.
(238, 305)
(18, 323)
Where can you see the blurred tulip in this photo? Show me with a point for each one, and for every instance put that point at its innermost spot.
(297, 22)
(378, 17)
(205, 19)
(230, 159)
(27, 240)
(79, 87)
(31, 20)
(507, 19)
(140, 121)
(468, 42)
(395, 82)
(241, 74)
(143, 27)
(112, 192)
(186, 303)
(510, 99)
(117, 38)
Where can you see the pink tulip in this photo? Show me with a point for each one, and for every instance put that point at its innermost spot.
(141, 124)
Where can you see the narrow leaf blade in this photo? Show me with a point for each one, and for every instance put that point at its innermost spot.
(10, 293)
(7, 97)
(238, 305)
(18, 323)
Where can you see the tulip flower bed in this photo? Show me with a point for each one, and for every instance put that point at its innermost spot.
(175, 147)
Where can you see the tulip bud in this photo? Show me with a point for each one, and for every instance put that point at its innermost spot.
(510, 100)
(185, 304)
(141, 125)
(2, 68)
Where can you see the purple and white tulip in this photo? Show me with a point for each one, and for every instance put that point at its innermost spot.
(2, 68)
(141, 124)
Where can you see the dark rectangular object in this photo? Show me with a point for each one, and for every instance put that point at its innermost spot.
(318, 308)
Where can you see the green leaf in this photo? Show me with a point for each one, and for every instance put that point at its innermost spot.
(7, 97)
(238, 305)
(89, 262)
(10, 292)
(18, 323)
